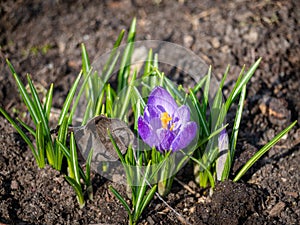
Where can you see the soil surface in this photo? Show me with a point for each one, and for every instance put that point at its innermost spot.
(43, 38)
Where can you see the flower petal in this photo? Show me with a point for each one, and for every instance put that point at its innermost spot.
(162, 99)
(155, 123)
(165, 138)
(146, 132)
(151, 111)
(185, 136)
(181, 116)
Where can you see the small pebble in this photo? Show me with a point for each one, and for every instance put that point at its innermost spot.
(14, 185)
(215, 42)
(150, 220)
(276, 210)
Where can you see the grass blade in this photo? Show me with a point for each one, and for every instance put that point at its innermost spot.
(25, 95)
(88, 167)
(127, 96)
(246, 78)
(206, 91)
(148, 63)
(68, 100)
(99, 103)
(40, 112)
(262, 151)
(234, 135)
(74, 158)
(241, 82)
(121, 199)
(237, 122)
(23, 135)
(87, 177)
(116, 147)
(109, 65)
(86, 69)
(109, 101)
(110, 70)
(61, 137)
(148, 198)
(40, 143)
(48, 102)
(125, 61)
(83, 86)
(207, 172)
(78, 190)
(65, 150)
(202, 119)
(28, 128)
(86, 65)
(200, 84)
(141, 192)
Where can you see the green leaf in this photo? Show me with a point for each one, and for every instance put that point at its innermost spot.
(148, 63)
(141, 192)
(217, 103)
(48, 102)
(206, 91)
(86, 65)
(88, 167)
(234, 134)
(61, 137)
(126, 58)
(87, 177)
(109, 101)
(40, 112)
(87, 113)
(199, 85)
(137, 109)
(148, 198)
(83, 86)
(213, 134)
(207, 172)
(116, 147)
(113, 58)
(111, 67)
(65, 150)
(246, 78)
(86, 69)
(229, 100)
(74, 158)
(121, 199)
(99, 104)
(24, 136)
(69, 100)
(262, 151)
(127, 96)
(173, 89)
(40, 142)
(239, 84)
(25, 95)
(202, 119)
(78, 190)
(28, 128)
(44, 124)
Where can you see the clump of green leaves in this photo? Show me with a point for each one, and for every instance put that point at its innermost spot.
(47, 149)
(208, 156)
(138, 182)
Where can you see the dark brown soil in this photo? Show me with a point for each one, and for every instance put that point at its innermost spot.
(43, 38)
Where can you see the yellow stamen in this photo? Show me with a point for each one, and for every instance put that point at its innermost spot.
(172, 126)
(165, 119)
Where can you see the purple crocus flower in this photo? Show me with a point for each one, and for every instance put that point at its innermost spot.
(164, 125)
